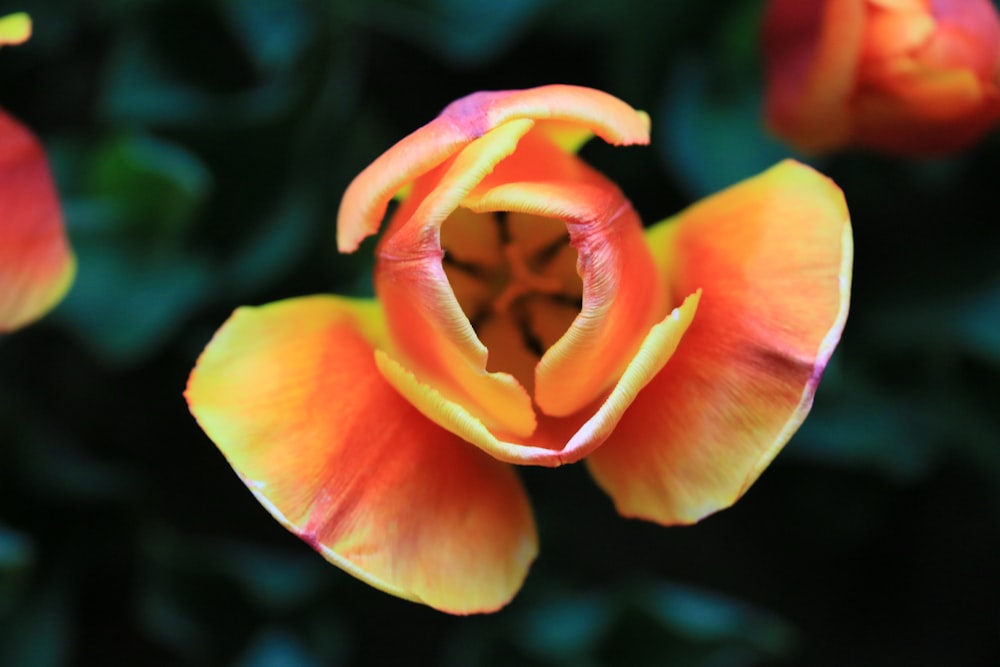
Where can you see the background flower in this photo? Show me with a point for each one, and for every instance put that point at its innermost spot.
(916, 77)
(201, 150)
(36, 265)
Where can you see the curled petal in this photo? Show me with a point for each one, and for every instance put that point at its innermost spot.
(557, 441)
(619, 302)
(772, 256)
(574, 112)
(433, 335)
(36, 264)
(621, 297)
(290, 394)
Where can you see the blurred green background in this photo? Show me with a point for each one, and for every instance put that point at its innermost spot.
(201, 148)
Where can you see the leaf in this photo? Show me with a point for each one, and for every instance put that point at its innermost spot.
(17, 558)
(154, 187)
(468, 33)
(273, 647)
(976, 323)
(125, 304)
(712, 140)
(274, 33)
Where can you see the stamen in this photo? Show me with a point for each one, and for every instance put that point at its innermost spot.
(531, 340)
(528, 266)
(503, 227)
(477, 271)
(523, 280)
(548, 253)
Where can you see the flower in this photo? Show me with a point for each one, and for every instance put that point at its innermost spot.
(36, 264)
(524, 316)
(911, 77)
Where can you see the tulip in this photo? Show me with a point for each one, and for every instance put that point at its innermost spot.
(523, 316)
(910, 77)
(36, 264)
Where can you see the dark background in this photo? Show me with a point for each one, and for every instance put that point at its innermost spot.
(201, 149)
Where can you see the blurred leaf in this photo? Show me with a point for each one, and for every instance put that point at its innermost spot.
(16, 552)
(125, 304)
(651, 622)
(155, 187)
(39, 634)
(167, 620)
(275, 248)
(711, 140)
(709, 617)
(468, 33)
(901, 426)
(17, 558)
(977, 323)
(275, 648)
(58, 467)
(140, 89)
(273, 579)
(712, 127)
(274, 33)
(663, 623)
(566, 628)
(869, 432)
(186, 581)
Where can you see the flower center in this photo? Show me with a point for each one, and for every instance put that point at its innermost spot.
(515, 277)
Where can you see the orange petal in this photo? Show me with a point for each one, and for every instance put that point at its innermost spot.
(431, 333)
(365, 201)
(772, 256)
(290, 394)
(812, 49)
(621, 297)
(557, 441)
(916, 111)
(36, 264)
(896, 29)
(618, 305)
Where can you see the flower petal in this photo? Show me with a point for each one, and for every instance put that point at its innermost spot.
(36, 264)
(621, 297)
(290, 394)
(557, 441)
(772, 256)
(365, 201)
(15, 29)
(812, 51)
(433, 336)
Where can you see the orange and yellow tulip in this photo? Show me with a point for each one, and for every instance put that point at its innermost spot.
(910, 77)
(523, 316)
(36, 264)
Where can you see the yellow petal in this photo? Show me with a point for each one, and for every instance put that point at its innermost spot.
(772, 256)
(290, 394)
